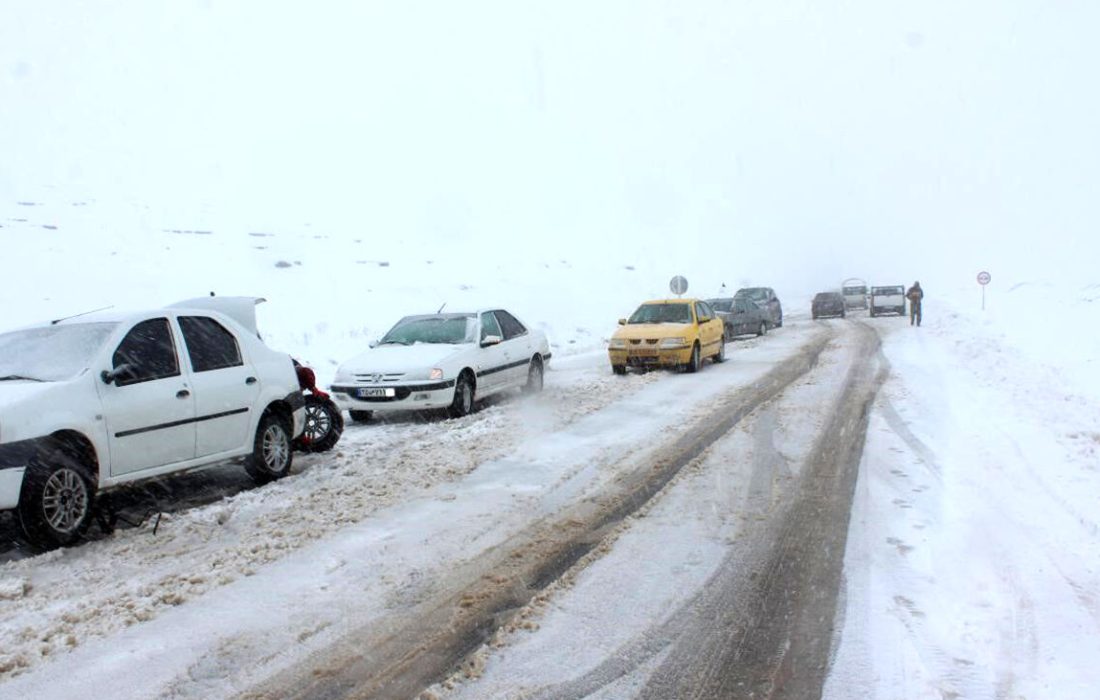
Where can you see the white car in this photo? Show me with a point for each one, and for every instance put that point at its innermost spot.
(442, 361)
(101, 400)
(888, 300)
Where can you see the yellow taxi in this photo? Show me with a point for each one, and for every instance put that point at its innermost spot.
(668, 333)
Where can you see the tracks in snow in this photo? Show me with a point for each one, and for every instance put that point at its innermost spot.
(399, 656)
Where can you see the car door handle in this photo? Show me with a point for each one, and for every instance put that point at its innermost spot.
(182, 394)
(250, 380)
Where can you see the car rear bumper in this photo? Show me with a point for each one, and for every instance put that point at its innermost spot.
(406, 397)
(11, 483)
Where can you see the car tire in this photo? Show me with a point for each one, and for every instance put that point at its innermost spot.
(535, 376)
(693, 364)
(721, 356)
(814, 316)
(361, 416)
(463, 403)
(763, 330)
(56, 501)
(271, 450)
(618, 369)
(324, 426)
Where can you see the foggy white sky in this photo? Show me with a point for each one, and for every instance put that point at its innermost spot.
(790, 141)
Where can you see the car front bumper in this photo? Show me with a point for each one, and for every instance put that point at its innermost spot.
(650, 358)
(406, 397)
(11, 483)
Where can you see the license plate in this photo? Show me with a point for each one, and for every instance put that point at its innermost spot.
(644, 353)
(375, 393)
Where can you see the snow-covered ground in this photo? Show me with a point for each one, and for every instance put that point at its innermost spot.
(973, 567)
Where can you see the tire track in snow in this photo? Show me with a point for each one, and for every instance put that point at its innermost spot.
(414, 653)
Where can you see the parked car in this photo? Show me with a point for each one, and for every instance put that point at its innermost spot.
(855, 293)
(442, 361)
(668, 333)
(888, 300)
(765, 298)
(828, 304)
(740, 316)
(103, 400)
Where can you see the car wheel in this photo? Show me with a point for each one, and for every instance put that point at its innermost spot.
(324, 426)
(361, 416)
(618, 369)
(693, 364)
(721, 356)
(271, 450)
(814, 317)
(534, 376)
(463, 403)
(763, 330)
(55, 504)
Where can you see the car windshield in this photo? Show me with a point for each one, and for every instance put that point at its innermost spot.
(754, 293)
(450, 329)
(721, 305)
(662, 313)
(51, 353)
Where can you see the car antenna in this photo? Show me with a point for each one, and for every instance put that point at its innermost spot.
(441, 308)
(83, 313)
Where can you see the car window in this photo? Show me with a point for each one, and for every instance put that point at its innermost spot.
(721, 305)
(450, 329)
(209, 344)
(702, 312)
(149, 350)
(509, 324)
(490, 326)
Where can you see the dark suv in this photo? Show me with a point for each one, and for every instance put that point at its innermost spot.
(828, 304)
(765, 298)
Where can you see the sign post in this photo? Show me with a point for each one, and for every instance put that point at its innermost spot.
(983, 279)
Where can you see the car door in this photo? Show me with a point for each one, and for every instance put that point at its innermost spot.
(491, 358)
(226, 387)
(517, 348)
(710, 333)
(148, 407)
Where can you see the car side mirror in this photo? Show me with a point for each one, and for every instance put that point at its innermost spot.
(622, 321)
(490, 340)
(123, 371)
(372, 344)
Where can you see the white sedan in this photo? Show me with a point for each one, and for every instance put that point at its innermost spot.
(102, 400)
(442, 361)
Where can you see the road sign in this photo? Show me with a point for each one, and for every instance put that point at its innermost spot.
(678, 285)
(983, 279)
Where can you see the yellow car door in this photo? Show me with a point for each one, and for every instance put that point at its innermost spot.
(710, 329)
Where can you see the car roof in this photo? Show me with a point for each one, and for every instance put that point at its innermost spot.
(686, 300)
(240, 309)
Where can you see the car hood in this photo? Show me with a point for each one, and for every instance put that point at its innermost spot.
(642, 331)
(401, 358)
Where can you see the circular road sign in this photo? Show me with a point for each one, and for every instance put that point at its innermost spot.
(678, 285)
(983, 278)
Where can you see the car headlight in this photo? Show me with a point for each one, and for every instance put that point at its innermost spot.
(342, 376)
(673, 342)
(435, 373)
(617, 343)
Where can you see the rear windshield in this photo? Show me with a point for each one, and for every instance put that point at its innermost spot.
(754, 293)
(887, 290)
(826, 296)
(855, 290)
(662, 313)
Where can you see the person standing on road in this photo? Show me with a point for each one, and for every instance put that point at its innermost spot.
(915, 294)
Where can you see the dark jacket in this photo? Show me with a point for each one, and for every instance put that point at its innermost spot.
(915, 294)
